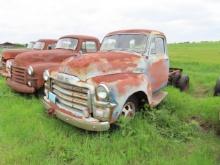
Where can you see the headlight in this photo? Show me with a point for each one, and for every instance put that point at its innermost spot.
(46, 75)
(102, 92)
(29, 83)
(8, 64)
(30, 70)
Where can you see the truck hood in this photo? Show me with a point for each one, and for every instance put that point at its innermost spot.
(42, 56)
(101, 63)
(12, 53)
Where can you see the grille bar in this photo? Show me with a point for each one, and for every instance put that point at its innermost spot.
(18, 74)
(76, 98)
(70, 93)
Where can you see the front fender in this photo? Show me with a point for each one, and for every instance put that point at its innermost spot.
(39, 68)
(122, 86)
(8, 56)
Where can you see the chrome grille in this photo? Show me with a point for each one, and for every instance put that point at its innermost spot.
(18, 74)
(74, 98)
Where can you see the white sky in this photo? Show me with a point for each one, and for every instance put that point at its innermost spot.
(181, 20)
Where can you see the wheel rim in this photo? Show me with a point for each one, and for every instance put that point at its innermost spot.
(128, 110)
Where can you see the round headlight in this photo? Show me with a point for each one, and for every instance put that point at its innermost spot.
(8, 64)
(29, 83)
(30, 70)
(102, 92)
(46, 75)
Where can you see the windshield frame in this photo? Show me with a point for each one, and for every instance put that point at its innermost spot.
(75, 48)
(147, 36)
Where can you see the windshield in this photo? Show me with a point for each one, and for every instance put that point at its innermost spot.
(125, 42)
(39, 45)
(30, 45)
(67, 43)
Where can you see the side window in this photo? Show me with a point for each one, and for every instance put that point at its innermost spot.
(157, 46)
(89, 47)
(159, 42)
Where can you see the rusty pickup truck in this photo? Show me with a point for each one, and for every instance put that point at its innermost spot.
(91, 92)
(26, 71)
(9, 55)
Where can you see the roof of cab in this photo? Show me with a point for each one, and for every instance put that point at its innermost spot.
(80, 37)
(47, 40)
(145, 31)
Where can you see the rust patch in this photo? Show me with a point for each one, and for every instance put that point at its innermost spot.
(123, 80)
(156, 73)
(100, 63)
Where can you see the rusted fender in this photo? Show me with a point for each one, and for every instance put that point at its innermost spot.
(11, 54)
(39, 68)
(122, 86)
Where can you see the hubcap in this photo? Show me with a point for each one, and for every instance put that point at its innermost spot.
(128, 110)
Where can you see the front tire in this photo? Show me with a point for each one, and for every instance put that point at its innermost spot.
(130, 108)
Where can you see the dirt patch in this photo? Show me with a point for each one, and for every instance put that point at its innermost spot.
(201, 91)
(206, 126)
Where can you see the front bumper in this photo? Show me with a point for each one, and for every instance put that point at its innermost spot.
(20, 87)
(89, 124)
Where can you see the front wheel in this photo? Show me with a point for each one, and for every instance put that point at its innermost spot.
(129, 108)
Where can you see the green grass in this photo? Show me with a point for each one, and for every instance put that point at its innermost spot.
(166, 135)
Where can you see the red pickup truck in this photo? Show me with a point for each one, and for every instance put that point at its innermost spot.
(94, 90)
(9, 55)
(26, 71)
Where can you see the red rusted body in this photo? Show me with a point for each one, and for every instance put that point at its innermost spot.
(92, 91)
(23, 80)
(12, 53)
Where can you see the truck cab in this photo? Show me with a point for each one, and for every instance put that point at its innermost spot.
(26, 71)
(9, 55)
(91, 92)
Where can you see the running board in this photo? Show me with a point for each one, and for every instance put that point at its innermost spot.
(157, 98)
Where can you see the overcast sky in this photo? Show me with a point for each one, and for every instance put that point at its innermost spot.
(180, 20)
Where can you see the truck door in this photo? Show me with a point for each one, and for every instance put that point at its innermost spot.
(158, 63)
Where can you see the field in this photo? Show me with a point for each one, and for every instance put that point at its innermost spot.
(184, 129)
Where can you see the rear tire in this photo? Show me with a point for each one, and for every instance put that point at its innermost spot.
(217, 88)
(175, 80)
(183, 83)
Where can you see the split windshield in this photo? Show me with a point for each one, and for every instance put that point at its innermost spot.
(39, 45)
(125, 42)
(67, 43)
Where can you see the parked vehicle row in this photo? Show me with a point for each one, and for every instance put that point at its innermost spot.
(89, 86)
(9, 55)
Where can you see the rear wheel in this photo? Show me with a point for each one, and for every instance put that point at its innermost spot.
(183, 83)
(217, 88)
(175, 80)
